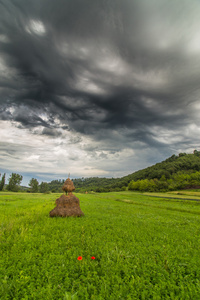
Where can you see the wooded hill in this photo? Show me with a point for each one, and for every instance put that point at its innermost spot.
(176, 172)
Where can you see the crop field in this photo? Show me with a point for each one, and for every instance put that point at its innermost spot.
(144, 248)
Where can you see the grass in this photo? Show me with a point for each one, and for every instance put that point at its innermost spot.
(144, 248)
(184, 194)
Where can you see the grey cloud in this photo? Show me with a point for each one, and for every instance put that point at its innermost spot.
(73, 157)
(13, 151)
(51, 132)
(111, 70)
(5, 114)
(27, 117)
(75, 140)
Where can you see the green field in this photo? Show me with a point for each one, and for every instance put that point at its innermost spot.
(144, 248)
(184, 194)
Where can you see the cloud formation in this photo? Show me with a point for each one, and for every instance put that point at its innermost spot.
(101, 87)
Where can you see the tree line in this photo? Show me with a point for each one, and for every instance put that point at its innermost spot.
(15, 180)
(176, 172)
(35, 187)
(178, 181)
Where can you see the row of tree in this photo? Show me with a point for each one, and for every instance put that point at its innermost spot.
(167, 175)
(178, 181)
(168, 167)
(15, 180)
(35, 187)
(94, 184)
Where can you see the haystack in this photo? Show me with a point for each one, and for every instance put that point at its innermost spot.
(67, 205)
(68, 186)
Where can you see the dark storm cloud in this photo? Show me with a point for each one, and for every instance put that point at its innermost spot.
(99, 66)
(51, 132)
(5, 114)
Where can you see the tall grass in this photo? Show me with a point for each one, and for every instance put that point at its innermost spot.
(144, 248)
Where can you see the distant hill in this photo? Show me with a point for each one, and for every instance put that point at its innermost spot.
(185, 164)
(176, 172)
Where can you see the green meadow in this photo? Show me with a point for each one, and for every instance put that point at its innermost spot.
(144, 247)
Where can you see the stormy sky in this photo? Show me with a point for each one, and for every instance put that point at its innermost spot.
(97, 88)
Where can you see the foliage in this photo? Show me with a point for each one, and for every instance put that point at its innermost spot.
(34, 185)
(164, 176)
(179, 180)
(95, 184)
(56, 186)
(150, 249)
(44, 188)
(172, 165)
(14, 182)
(2, 182)
(156, 176)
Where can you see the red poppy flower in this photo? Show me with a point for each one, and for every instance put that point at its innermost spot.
(80, 258)
(92, 257)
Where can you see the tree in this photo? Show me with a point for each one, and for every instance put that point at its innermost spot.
(14, 182)
(163, 178)
(34, 184)
(123, 188)
(197, 153)
(44, 188)
(134, 185)
(181, 154)
(2, 182)
(144, 185)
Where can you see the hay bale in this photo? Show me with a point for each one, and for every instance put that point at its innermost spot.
(67, 205)
(68, 186)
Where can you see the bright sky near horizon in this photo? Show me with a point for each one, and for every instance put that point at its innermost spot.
(97, 88)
